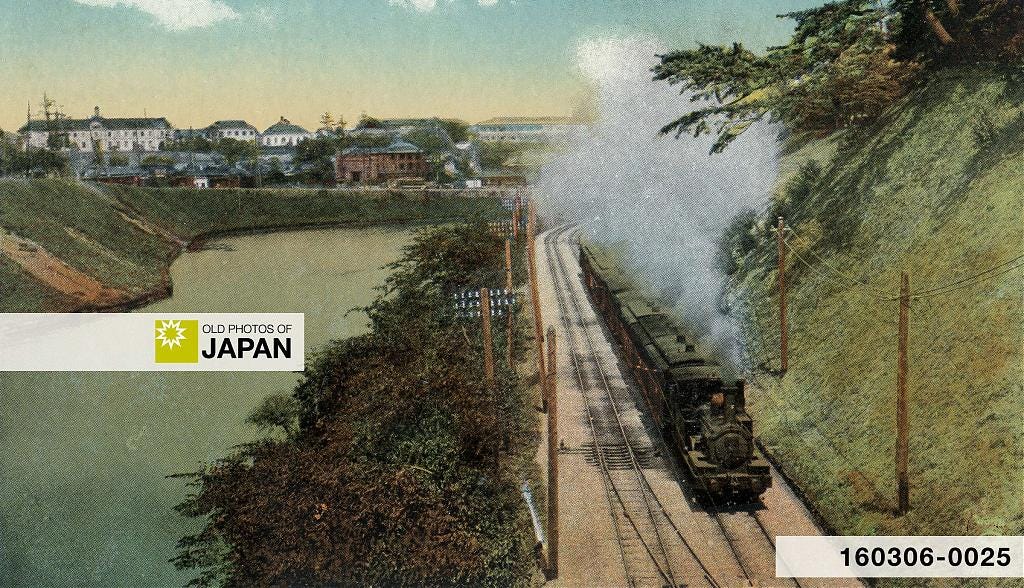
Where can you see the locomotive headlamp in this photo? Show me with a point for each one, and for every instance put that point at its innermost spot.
(717, 399)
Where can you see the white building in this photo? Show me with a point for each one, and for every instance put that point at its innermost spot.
(545, 129)
(284, 134)
(232, 129)
(108, 134)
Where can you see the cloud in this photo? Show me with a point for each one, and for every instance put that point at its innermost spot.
(176, 15)
(419, 5)
(429, 5)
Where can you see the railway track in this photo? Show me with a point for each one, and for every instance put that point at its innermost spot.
(661, 542)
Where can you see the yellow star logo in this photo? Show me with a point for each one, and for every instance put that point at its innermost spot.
(177, 341)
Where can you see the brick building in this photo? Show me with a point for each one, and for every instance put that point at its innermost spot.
(374, 165)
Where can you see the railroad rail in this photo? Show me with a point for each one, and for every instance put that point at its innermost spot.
(732, 547)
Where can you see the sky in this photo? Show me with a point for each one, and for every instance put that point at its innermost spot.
(196, 61)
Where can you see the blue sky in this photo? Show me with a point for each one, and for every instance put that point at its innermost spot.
(195, 61)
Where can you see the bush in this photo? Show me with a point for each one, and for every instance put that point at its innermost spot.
(402, 469)
(796, 192)
(736, 241)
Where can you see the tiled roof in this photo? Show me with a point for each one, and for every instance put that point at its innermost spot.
(530, 120)
(84, 124)
(285, 128)
(396, 147)
(231, 124)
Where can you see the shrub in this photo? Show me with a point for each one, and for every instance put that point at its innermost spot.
(402, 469)
(736, 241)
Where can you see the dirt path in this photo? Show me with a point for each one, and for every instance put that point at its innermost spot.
(55, 273)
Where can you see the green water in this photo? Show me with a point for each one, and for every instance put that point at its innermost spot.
(83, 457)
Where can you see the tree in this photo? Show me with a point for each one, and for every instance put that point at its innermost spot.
(457, 129)
(432, 141)
(833, 46)
(276, 411)
(45, 162)
(195, 144)
(327, 121)
(845, 63)
(402, 469)
(493, 155)
(320, 152)
(158, 160)
(368, 122)
(276, 174)
(54, 117)
(962, 30)
(234, 150)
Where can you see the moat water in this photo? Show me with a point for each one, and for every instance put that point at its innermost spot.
(84, 458)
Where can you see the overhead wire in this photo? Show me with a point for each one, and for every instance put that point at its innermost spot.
(960, 284)
(870, 290)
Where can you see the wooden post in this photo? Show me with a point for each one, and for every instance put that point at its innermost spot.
(515, 220)
(538, 325)
(902, 434)
(510, 308)
(783, 326)
(552, 392)
(508, 265)
(485, 314)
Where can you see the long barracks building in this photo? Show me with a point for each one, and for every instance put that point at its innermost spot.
(97, 131)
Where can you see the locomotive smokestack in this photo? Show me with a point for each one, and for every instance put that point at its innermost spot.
(730, 407)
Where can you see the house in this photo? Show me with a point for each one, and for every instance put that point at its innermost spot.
(126, 175)
(373, 165)
(100, 133)
(544, 129)
(283, 133)
(232, 129)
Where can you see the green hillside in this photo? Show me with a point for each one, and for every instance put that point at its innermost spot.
(933, 189)
(125, 238)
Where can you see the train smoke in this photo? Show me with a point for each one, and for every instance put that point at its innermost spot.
(667, 201)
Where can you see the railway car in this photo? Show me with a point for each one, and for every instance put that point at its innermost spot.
(701, 417)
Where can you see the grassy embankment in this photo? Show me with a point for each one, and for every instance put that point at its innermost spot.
(934, 189)
(125, 238)
(392, 463)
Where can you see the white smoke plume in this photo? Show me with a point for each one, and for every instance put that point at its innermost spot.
(667, 200)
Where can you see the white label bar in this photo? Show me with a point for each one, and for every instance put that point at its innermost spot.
(105, 342)
(899, 557)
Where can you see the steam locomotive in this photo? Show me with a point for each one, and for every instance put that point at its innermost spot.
(701, 417)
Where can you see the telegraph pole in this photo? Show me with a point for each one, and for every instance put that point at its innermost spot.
(508, 265)
(538, 326)
(511, 308)
(485, 314)
(515, 219)
(783, 326)
(902, 434)
(552, 393)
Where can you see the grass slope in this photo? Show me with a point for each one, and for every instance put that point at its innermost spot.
(933, 190)
(126, 237)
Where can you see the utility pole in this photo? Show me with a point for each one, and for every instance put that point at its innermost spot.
(902, 434)
(538, 326)
(783, 326)
(485, 314)
(552, 392)
(515, 219)
(508, 265)
(511, 308)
